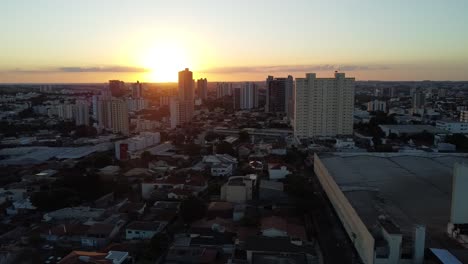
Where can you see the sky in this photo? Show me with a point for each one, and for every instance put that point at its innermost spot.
(57, 41)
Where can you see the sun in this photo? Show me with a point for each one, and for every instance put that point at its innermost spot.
(164, 62)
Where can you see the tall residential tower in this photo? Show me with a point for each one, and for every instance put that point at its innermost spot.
(324, 106)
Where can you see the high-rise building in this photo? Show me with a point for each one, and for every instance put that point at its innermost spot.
(65, 111)
(113, 115)
(137, 104)
(236, 97)
(117, 88)
(82, 113)
(279, 94)
(464, 116)
(223, 89)
(248, 96)
(182, 108)
(137, 90)
(419, 99)
(377, 105)
(202, 88)
(324, 106)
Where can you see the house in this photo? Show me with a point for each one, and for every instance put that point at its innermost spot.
(193, 184)
(271, 190)
(20, 207)
(68, 232)
(110, 257)
(184, 254)
(180, 193)
(160, 167)
(239, 189)
(277, 171)
(275, 226)
(278, 248)
(220, 209)
(143, 230)
(74, 213)
(206, 237)
(220, 164)
(99, 235)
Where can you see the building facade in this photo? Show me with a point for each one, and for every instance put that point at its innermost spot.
(377, 105)
(82, 113)
(323, 106)
(279, 94)
(223, 89)
(182, 108)
(249, 96)
(113, 115)
(202, 88)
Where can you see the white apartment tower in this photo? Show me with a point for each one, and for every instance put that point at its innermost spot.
(324, 106)
(248, 96)
(113, 115)
(82, 113)
(223, 89)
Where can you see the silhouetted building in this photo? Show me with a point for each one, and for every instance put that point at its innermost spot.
(223, 89)
(202, 88)
(137, 90)
(279, 94)
(236, 97)
(182, 108)
(117, 88)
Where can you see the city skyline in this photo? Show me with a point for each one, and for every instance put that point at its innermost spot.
(150, 41)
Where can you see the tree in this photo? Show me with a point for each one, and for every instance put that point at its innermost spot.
(192, 209)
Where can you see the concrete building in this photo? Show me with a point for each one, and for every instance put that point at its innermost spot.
(223, 89)
(142, 230)
(113, 115)
(65, 111)
(249, 96)
(136, 104)
(239, 189)
(82, 113)
(324, 106)
(377, 105)
(464, 116)
(236, 97)
(137, 90)
(182, 107)
(409, 130)
(279, 95)
(202, 88)
(129, 148)
(418, 100)
(393, 205)
(453, 127)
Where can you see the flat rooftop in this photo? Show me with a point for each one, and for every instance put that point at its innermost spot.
(407, 188)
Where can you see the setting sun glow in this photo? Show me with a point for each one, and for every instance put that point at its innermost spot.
(164, 61)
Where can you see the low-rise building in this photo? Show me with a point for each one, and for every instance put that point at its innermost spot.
(143, 230)
(239, 189)
(453, 126)
(277, 171)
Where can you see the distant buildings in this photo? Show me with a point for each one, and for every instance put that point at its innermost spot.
(464, 116)
(126, 149)
(137, 104)
(117, 88)
(182, 108)
(223, 89)
(82, 113)
(453, 126)
(377, 105)
(202, 88)
(324, 106)
(236, 97)
(113, 115)
(279, 95)
(418, 101)
(248, 96)
(137, 90)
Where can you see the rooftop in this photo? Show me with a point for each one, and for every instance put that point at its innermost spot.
(398, 186)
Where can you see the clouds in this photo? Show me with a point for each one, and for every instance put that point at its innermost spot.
(294, 68)
(109, 69)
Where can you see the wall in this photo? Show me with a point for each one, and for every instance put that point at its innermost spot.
(363, 240)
